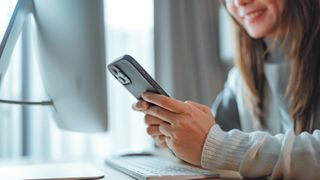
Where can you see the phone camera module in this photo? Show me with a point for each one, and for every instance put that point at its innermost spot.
(115, 71)
(122, 78)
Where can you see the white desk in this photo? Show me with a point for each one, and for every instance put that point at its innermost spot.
(109, 172)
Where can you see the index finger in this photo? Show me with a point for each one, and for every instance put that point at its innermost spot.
(164, 102)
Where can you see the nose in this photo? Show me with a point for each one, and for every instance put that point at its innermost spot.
(242, 2)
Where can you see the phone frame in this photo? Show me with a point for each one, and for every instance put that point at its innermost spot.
(124, 79)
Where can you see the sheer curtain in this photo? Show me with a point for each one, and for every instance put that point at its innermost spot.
(32, 132)
(188, 63)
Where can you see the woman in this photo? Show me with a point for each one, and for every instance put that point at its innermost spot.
(273, 92)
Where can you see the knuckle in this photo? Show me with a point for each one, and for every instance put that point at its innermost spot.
(188, 112)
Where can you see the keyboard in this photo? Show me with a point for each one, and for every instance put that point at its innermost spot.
(157, 168)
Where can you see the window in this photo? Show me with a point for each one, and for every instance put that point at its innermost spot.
(33, 132)
(10, 116)
(226, 35)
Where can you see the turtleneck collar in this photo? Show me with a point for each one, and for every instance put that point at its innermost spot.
(277, 52)
(277, 70)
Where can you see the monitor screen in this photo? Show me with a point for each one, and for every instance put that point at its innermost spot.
(68, 43)
(70, 49)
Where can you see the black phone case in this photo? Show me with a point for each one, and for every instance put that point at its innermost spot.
(131, 74)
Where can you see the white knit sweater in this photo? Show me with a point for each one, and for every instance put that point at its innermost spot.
(246, 147)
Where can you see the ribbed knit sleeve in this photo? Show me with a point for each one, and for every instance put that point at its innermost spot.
(224, 150)
(260, 154)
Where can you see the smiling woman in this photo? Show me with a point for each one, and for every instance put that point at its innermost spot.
(266, 121)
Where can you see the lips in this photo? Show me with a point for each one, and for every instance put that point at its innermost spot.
(253, 16)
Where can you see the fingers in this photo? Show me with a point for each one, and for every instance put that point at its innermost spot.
(164, 102)
(151, 120)
(162, 129)
(162, 114)
(165, 129)
(161, 141)
(140, 105)
(157, 135)
(202, 107)
(154, 130)
(169, 143)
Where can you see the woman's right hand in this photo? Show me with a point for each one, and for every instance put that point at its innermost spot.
(153, 124)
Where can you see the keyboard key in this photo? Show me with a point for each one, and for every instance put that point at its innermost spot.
(152, 167)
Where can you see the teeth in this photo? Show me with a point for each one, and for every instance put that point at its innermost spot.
(250, 16)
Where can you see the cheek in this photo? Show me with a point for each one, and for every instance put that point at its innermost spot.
(265, 26)
(274, 15)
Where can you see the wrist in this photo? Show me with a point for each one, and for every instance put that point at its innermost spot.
(224, 150)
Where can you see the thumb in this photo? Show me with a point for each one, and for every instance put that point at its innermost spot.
(202, 107)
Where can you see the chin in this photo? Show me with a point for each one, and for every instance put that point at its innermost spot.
(256, 34)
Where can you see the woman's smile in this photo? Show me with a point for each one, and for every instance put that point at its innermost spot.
(253, 16)
(259, 17)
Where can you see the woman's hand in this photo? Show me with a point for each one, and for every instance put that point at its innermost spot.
(153, 124)
(185, 125)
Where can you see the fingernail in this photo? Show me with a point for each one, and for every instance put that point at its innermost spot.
(134, 106)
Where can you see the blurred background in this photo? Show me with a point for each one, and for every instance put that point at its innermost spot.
(185, 44)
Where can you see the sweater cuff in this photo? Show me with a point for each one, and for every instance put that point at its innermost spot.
(224, 150)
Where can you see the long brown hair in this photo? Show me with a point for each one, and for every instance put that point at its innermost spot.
(299, 28)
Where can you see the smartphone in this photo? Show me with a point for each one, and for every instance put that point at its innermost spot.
(133, 77)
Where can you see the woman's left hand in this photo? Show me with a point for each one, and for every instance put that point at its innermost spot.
(187, 127)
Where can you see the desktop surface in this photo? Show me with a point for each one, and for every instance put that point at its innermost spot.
(50, 171)
(99, 164)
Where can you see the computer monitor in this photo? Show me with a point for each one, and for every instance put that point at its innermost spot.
(69, 44)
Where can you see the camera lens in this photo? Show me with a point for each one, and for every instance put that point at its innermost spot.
(115, 70)
(122, 80)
